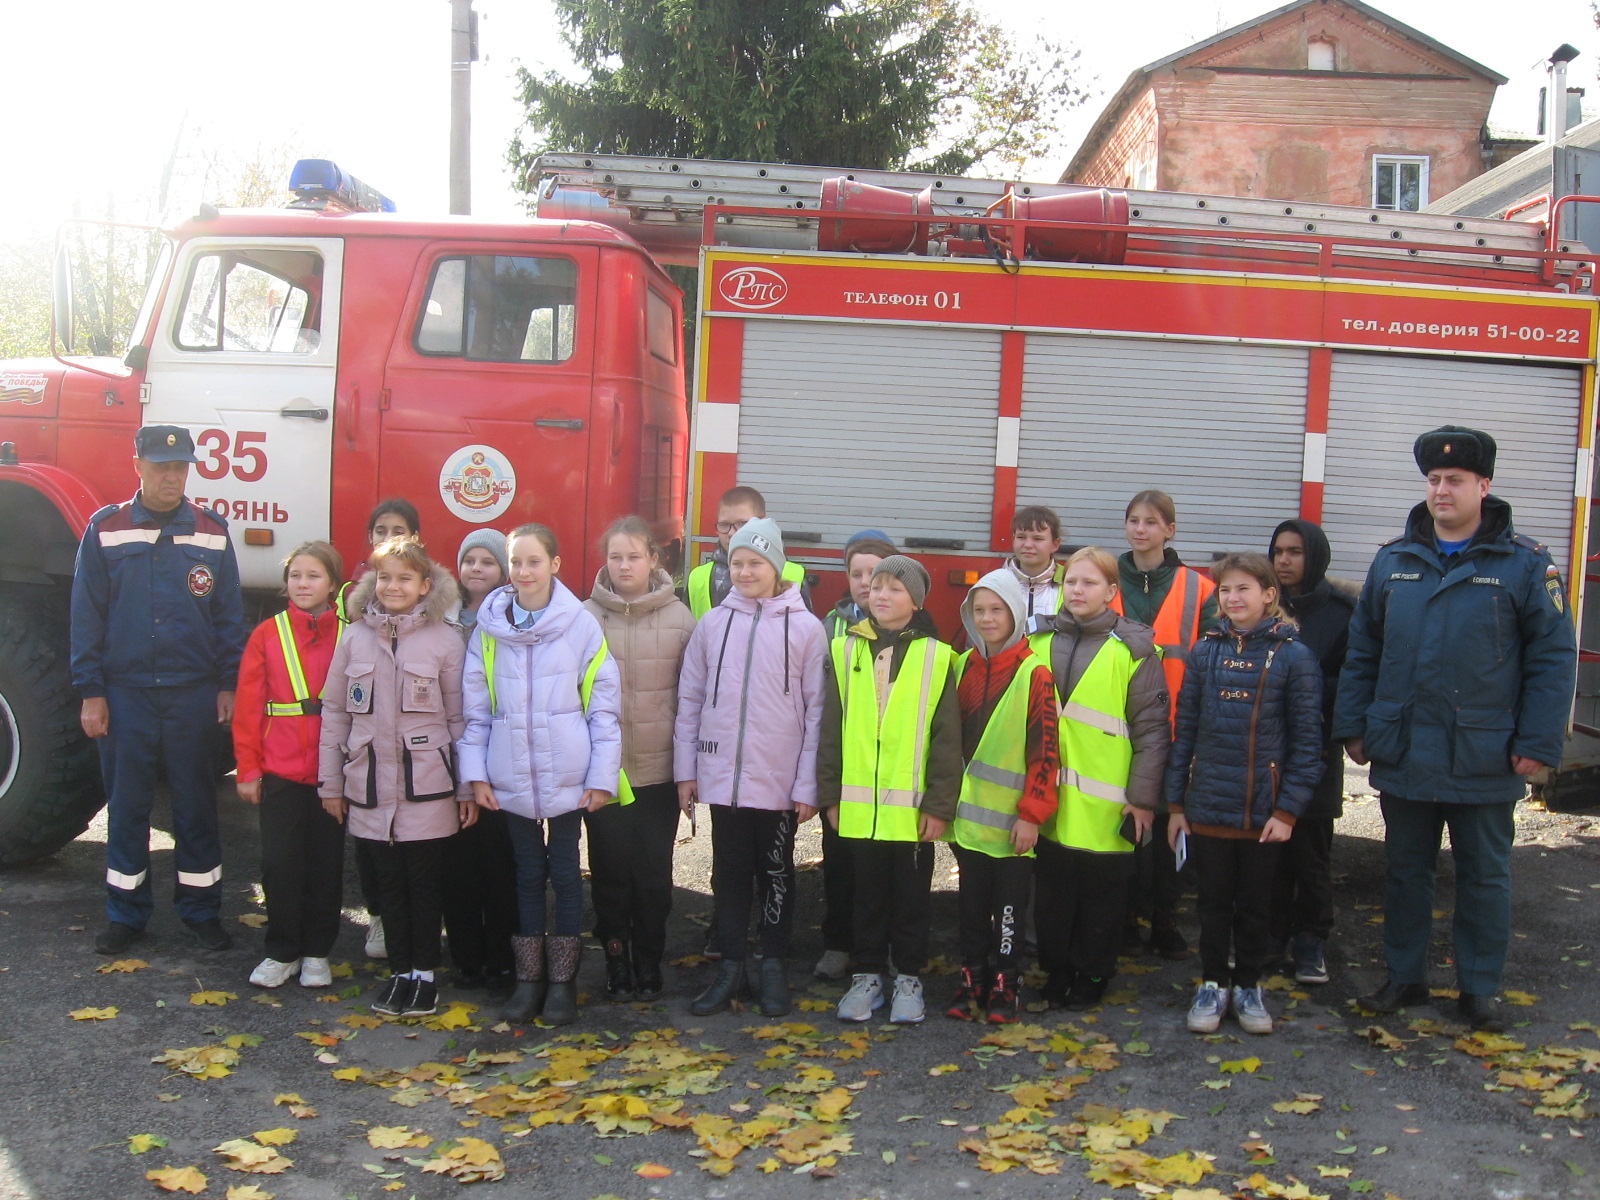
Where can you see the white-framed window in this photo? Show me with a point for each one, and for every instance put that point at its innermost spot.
(1400, 181)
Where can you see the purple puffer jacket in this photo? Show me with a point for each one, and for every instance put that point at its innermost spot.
(750, 703)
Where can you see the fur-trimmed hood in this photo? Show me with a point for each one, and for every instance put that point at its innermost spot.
(442, 604)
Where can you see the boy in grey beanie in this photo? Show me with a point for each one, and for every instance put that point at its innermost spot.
(909, 572)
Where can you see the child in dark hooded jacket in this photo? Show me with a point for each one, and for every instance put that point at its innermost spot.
(1302, 906)
(1247, 755)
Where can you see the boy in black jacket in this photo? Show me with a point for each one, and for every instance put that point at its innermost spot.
(1303, 898)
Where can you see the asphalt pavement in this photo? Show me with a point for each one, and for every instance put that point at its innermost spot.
(1121, 1102)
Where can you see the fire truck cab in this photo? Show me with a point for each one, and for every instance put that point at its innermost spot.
(326, 356)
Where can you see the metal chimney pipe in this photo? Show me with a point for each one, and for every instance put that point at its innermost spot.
(1556, 123)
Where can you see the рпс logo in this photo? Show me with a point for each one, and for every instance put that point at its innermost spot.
(753, 287)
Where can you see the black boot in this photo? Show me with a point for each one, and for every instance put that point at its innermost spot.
(619, 971)
(647, 983)
(1165, 939)
(562, 955)
(1085, 992)
(1481, 1012)
(1392, 997)
(774, 998)
(527, 999)
(728, 984)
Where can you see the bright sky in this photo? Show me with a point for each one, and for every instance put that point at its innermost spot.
(98, 90)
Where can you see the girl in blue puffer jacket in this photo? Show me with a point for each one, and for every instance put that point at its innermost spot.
(1246, 755)
(543, 743)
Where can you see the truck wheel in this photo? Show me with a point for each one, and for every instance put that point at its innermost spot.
(50, 785)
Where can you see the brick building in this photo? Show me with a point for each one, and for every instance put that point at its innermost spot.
(1321, 100)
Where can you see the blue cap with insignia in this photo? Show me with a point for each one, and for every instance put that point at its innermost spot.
(164, 443)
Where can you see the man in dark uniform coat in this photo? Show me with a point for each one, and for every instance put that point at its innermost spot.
(157, 633)
(1457, 686)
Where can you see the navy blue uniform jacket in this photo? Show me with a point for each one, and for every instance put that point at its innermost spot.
(153, 605)
(1457, 664)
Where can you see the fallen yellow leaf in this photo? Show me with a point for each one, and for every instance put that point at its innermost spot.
(275, 1137)
(216, 998)
(93, 1014)
(396, 1137)
(1521, 999)
(1248, 1066)
(653, 1171)
(253, 920)
(139, 1143)
(123, 966)
(248, 1191)
(178, 1179)
(1334, 1172)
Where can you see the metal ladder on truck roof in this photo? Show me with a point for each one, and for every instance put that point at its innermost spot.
(663, 200)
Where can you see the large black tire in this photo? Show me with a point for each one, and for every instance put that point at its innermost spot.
(50, 785)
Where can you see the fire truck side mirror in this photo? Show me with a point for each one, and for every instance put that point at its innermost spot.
(62, 314)
(137, 358)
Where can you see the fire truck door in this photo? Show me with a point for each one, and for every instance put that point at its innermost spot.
(487, 411)
(245, 356)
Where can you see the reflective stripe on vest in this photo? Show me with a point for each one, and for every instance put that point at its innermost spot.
(304, 704)
(1096, 751)
(699, 586)
(885, 758)
(1177, 626)
(490, 645)
(992, 786)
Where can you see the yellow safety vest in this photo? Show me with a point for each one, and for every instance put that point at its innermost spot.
(1096, 751)
(489, 646)
(700, 584)
(992, 786)
(304, 704)
(885, 761)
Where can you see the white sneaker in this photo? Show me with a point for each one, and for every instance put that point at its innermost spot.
(907, 1008)
(315, 972)
(1250, 1007)
(1207, 1009)
(376, 946)
(832, 966)
(864, 998)
(271, 973)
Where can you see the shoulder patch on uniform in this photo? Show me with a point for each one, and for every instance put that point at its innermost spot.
(1534, 544)
(1553, 588)
(1397, 538)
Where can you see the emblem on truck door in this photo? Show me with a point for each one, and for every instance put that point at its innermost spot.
(753, 287)
(477, 483)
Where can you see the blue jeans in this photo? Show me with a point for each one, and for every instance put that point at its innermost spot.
(1480, 843)
(547, 857)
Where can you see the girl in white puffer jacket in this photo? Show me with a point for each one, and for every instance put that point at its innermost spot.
(543, 743)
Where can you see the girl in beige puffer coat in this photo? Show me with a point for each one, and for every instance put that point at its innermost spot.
(391, 712)
(630, 846)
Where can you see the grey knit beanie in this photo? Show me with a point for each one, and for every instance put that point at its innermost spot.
(909, 572)
(764, 537)
(491, 540)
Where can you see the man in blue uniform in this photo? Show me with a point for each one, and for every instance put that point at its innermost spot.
(157, 632)
(1457, 686)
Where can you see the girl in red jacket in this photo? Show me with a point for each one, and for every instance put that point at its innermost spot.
(276, 727)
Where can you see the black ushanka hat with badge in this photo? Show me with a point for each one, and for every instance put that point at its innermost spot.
(1455, 446)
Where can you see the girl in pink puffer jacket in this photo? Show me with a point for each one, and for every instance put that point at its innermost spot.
(391, 710)
(543, 744)
(745, 742)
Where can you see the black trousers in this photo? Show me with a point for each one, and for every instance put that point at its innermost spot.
(1302, 893)
(1235, 877)
(1080, 902)
(480, 895)
(994, 899)
(838, 890)
(367, 877)
(302, 870)
(630, 868)
(752, 849)
(894, 885)
(1154, 889)
(410, 877)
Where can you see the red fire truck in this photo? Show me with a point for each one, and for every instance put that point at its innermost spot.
(912, 353)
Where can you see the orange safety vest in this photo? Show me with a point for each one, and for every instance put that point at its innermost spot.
(1177, 626)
